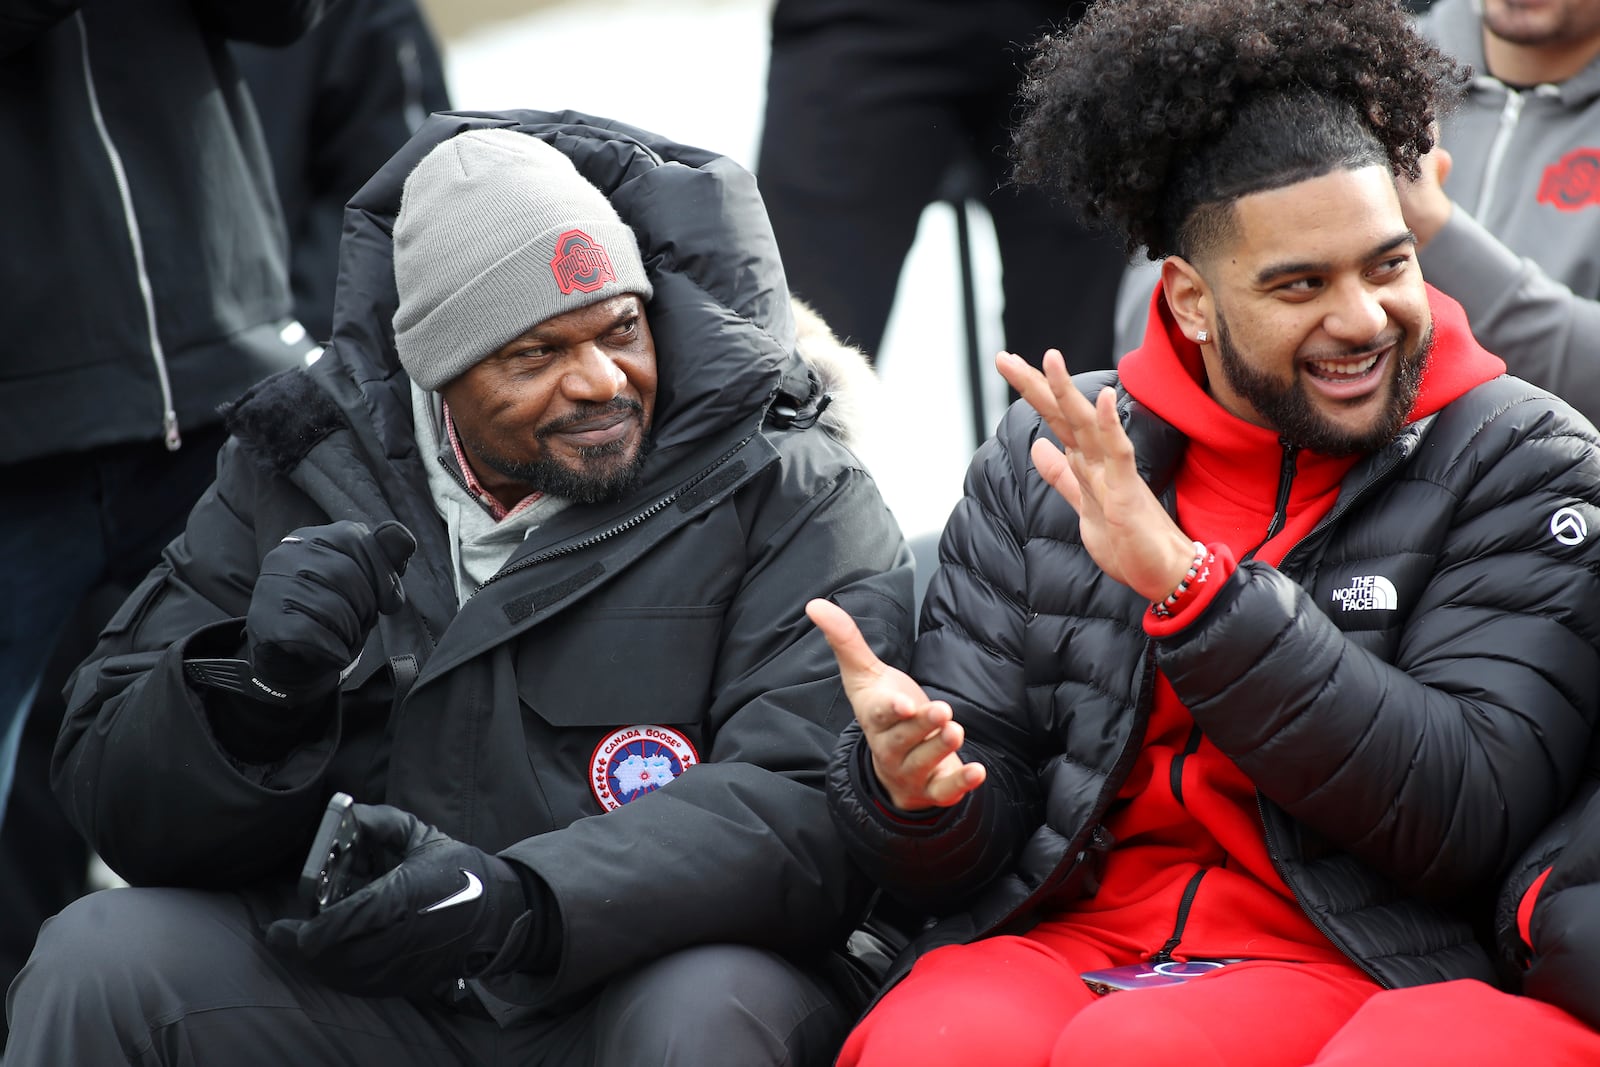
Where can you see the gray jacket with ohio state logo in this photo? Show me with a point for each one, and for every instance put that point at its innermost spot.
(1521, 251)
(666, 628)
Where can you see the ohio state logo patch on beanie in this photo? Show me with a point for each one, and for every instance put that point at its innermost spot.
(580, 263)
(635, 760)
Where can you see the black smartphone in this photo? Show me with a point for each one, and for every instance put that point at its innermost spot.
(326, 877)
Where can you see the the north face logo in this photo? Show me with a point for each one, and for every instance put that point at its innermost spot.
(1367, 592)
(1573, 182)
(580, 263)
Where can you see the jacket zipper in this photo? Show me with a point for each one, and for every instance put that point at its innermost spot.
(1333, 515)
(169, 415)
(411, 110)
(1164, 953)
(1509, 114)
(626, 524)
(1280, 516)
(1316, 920)
(1280, 507)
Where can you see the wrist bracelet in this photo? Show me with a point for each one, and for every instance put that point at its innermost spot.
(1198, 571)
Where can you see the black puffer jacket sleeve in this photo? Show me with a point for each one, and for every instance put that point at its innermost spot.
(1438, 762)
(970, 652)
(137, 767)
(1565, 924)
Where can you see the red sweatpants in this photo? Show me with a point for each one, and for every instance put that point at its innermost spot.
(1018, 1001)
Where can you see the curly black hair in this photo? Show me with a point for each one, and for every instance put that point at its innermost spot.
(1148, 111)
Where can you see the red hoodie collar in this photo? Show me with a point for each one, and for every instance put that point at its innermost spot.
(1167, 375)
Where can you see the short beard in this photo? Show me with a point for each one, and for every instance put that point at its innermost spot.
(1288, 408)
(607, 471)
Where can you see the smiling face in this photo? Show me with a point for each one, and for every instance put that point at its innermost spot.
(564, 408)
(1317, 308)
(1542, 22)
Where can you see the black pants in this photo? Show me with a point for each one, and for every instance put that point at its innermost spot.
(174, 976)
(870, 106)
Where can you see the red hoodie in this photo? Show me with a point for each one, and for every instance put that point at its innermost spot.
(1186, 821)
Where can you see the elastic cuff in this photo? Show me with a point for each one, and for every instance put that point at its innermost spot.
(1525, 908)
(533, 943)
(878, 796)
(1212, 576)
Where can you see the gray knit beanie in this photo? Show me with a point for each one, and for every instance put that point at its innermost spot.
(498, 232)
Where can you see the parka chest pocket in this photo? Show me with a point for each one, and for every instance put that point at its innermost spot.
(610, 666)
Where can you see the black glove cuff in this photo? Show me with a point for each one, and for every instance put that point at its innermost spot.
(533, 942)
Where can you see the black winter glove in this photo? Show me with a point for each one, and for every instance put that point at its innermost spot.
(317, 597)
(1565, 926)
(444, 911)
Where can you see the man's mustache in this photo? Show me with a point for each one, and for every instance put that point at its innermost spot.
(589, 413)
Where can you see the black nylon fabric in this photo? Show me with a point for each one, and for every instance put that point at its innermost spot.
(1403, 757)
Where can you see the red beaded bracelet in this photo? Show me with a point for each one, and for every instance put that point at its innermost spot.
(1198, 571)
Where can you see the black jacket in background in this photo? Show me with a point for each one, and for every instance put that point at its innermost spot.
(142, 258)
(334, 106)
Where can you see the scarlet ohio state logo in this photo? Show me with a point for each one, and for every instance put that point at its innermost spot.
(1573, 182)
(580, 264)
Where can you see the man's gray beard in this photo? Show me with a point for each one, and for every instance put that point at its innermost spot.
(545, 475)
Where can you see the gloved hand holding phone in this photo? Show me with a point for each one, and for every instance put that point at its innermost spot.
(436, 910)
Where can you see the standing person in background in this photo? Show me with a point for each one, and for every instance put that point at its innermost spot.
(1262, 658)
(871, 104)
(1507, 208)
(334, 107)
(144, 285)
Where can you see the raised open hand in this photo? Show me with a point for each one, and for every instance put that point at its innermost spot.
(913, 740)
(1124, 527)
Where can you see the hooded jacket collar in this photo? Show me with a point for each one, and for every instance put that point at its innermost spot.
(1167, 376)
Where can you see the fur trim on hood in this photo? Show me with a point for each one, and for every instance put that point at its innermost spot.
(843, 373)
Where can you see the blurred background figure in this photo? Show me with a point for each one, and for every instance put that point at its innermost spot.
(334, 107)
(877, 108)
(144, 284)
(161, 173)
(1507, 210)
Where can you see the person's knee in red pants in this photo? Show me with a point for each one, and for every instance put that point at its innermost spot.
(1463, 1023)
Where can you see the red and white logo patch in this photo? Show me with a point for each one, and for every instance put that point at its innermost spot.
(580, 263)
(1573, 182)
(635, 760)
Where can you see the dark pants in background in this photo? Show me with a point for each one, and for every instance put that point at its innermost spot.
(77, 532)
(872, 107)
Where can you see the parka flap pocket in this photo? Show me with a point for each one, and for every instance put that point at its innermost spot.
(621, 665)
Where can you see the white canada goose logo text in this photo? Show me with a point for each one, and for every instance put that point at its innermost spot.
(1367, 592)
